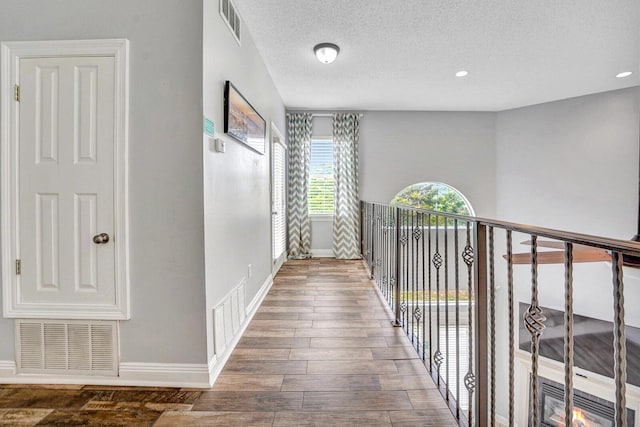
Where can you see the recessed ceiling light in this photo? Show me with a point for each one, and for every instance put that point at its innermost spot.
(326, 52)
(624, 74)
(462, 73)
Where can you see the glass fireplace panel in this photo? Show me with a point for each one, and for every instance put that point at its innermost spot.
(588, 410)
(553, 415)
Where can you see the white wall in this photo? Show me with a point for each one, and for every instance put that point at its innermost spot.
(165, 161)
(322, 236)
(236, 183)
(401, 148)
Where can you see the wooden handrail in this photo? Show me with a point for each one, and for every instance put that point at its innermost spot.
(616, 245)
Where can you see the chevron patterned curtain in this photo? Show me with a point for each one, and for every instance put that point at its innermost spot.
(299, 131)
(346, 221)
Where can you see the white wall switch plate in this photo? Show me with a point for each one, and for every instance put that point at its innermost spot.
(220, 145)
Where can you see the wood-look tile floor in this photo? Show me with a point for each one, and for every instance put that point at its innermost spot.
(320, 351)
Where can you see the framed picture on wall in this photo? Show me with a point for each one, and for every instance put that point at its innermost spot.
(242, 121)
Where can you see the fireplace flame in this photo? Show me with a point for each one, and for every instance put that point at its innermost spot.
(579, 419)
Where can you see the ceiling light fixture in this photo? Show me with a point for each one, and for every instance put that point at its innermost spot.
(624, 74)
(462, 73)
(326, 52)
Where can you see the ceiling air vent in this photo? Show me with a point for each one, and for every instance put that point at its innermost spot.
(67, 347)
(231, 18)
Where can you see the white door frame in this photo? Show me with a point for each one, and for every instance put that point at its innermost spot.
(276, 138)
(10, 55)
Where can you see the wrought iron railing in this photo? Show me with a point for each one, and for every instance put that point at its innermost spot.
(438, 273)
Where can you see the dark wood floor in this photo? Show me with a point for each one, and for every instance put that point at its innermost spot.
(320, 351)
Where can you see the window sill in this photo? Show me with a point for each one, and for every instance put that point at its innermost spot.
(321, 218)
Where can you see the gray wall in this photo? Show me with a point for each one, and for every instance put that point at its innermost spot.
(165, 161)
(570, 164)
(401, 148)
(573, 165)
(236, 183)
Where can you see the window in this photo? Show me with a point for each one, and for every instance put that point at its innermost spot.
(433, 196)
(278, 200)
(320, 195)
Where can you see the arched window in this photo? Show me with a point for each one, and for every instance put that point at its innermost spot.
(433, 196)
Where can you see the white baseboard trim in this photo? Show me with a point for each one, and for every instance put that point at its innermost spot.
(217, 362)
(131, 374)
(322, 253)
(257, 300)
(7, 368)
(165, 374)
(192, 375)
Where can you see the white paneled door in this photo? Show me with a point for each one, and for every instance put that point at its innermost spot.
(66, 180)
(278, 201)
(64, 186)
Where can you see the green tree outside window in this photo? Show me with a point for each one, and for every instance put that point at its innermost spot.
(433, 196)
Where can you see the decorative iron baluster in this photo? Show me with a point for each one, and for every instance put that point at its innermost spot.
(619, 341)
(411, 293)
(362, 224)
(568, 334)
(381, 253)
(469, 378)
(446, 306)
(511, 330)
(379, 240)
(457, 282)
(397, 276)
(387, 248)
(407, 272)
(437, 263)
(404, 283)
(417, 313)
(387, 251)
(424, 342)
(365, 235)
(534, 322)
(492, 326)
(392, 252)
(387, 257)
(373, 241)
(430, 287)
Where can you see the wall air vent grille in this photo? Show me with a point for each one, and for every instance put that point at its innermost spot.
(230, 16)
(67, 347)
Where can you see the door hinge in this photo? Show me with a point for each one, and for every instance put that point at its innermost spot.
(16, 92)
(18, 267)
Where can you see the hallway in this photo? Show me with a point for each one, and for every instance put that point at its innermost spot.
(319, 351)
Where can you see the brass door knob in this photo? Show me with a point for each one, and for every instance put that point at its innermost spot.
(101, 238)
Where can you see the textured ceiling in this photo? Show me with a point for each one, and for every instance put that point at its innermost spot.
(403, 54)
